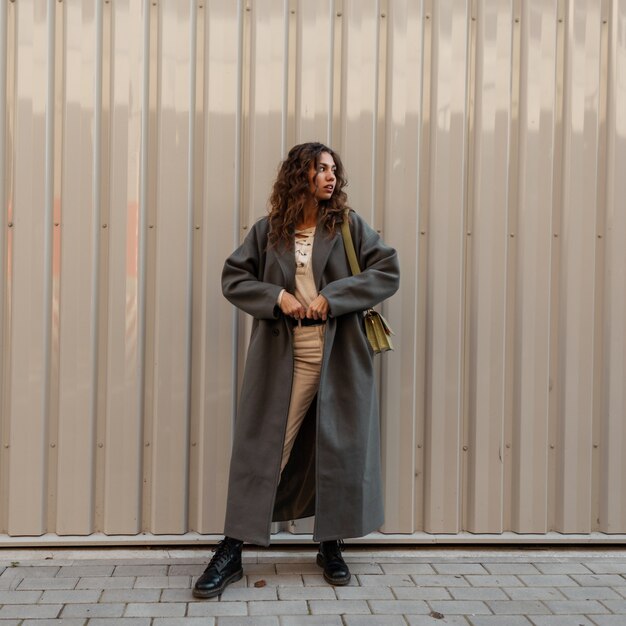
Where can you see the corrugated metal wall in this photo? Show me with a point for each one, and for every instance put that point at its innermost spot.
(486, 139)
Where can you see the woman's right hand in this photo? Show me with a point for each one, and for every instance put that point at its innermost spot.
(290, 306)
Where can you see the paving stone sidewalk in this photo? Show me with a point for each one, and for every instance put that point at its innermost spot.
(412, 586)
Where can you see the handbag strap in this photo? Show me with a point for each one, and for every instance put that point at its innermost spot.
(349, 245)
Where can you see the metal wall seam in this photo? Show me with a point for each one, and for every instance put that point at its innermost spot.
(98, 282)
(4, 255)
(600, 272)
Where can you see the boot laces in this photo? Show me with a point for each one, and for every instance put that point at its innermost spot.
(223, 551)
(333, 549)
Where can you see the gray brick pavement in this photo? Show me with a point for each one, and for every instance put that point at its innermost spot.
(284, 587)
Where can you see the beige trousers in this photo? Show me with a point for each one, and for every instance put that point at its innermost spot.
(308, 348)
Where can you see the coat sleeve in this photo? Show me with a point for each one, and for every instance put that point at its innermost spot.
(379, 278)
(241, 284)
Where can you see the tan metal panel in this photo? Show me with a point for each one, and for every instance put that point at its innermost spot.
(402, 388)
(487, 237)
(29, 270)
(78, 302)
(124, 105)
(214, 364)
(359, 99)
(446, 247)
(265, 103)
(314, 70)
(168, 441)
(533, 254)
(484, 139)
(578, 263)
(613, 443)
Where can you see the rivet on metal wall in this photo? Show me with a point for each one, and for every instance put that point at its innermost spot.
(511, 234)
(6, 445)
(197, 227)
(599, 236)
(464, 448)
(100, 445)
(551, 446)
(339, 14)
(422, 232)
(469, 233)
(556, 235)
(595, 445)
(104, 225)
(383, 15)
(56, 223)
(53, 445)
(147, 444)
(419, 446)
(508, 445)
(10, 224)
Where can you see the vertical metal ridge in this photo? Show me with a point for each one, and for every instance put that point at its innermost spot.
(191, 200)
(49, 186)
(4, 265)
(241, 113)
(599, 361)
(467, 496)
(142, 260)
(97, 185)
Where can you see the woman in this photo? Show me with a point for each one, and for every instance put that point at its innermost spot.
(306, 438)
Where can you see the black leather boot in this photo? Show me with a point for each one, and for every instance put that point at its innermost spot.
(329, 557)
(223, 569)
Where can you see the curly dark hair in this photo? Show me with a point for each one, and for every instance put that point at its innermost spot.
(291, 192)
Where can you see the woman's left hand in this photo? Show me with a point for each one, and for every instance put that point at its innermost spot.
(318, 309)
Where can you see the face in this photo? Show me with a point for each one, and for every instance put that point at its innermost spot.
(322, 179)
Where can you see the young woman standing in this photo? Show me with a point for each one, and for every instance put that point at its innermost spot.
(306, 438)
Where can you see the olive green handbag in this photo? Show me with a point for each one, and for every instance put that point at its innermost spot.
(377, 329)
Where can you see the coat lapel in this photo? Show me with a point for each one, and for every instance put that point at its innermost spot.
(322, 247)
(287, 261)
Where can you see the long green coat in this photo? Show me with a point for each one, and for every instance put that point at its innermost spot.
(334, 468)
